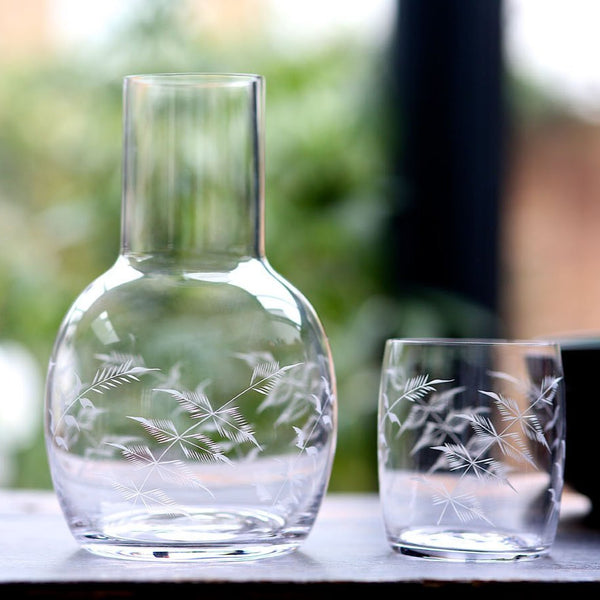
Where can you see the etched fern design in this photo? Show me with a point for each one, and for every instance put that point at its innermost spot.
(469, 443)
(80, 411)
(196, 429)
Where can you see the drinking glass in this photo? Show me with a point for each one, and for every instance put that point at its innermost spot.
(471, 447)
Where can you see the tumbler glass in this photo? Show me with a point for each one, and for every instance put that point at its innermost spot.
(471, 447)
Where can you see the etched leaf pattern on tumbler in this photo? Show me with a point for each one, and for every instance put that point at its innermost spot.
(470, 457)
(459, 456)
(191, 401)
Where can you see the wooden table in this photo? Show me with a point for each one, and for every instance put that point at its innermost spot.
(346, 552)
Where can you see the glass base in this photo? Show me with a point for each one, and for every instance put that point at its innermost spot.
(211, 534)
(465, 545)
(221, 553)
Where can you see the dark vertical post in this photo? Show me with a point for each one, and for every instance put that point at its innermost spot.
(446, 74)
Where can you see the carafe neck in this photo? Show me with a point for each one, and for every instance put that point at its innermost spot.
(193, 174)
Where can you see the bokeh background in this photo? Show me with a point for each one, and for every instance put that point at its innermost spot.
(432, 169)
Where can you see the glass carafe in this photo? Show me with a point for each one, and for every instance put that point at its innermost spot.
(191, 404)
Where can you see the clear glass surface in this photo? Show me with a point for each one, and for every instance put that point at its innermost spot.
(191, 399)
(471, 447)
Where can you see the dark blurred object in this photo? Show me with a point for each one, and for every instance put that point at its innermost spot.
(581, 357)
(449, 155)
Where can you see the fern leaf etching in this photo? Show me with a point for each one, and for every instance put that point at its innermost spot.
(151, 500)
(189, 438)
(226, 420)
(509, 442)
(193, 444)
(475, 440)
(465, 505)
(460, 459)
(80, 410)
(204, 431)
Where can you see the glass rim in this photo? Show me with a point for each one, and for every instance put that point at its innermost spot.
(194, 79)
(577, 337)
(445, 341)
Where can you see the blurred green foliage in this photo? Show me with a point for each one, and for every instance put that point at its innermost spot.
(326, 196)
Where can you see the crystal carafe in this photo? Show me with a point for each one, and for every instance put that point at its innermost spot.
(190, 408)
